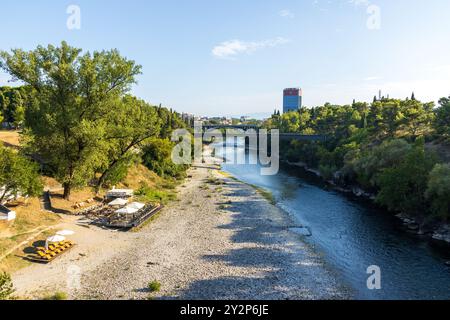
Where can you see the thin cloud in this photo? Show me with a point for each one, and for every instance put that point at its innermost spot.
(231, 49)
(286, 14)
(372, 78)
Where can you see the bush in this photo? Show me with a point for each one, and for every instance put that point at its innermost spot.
(6, 286)
(327, 171)
(154, 286)
(57, 296)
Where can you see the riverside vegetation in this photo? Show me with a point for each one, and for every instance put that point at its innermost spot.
(397, 150)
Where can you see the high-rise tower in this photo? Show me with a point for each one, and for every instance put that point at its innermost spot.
(292, 99)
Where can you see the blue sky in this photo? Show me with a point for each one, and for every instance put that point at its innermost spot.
(234, 57)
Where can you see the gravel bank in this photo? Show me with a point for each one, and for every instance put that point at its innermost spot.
(221, 240)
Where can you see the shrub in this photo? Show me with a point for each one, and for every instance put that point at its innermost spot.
(57, 296)
(6, 286)
(154, 286)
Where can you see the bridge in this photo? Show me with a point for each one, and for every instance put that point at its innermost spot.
(244, 127)
(283, 136)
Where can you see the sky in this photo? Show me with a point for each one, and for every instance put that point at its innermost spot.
(235, 57)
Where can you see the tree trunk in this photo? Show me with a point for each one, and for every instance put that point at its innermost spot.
(67, 191)
(3, 197)
(100, 181)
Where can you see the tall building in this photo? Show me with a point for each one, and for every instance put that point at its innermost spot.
(292, 99)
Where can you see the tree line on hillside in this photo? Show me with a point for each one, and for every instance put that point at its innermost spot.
(387, 147)
(79, 118)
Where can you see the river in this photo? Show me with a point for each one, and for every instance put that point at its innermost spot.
(353, 234)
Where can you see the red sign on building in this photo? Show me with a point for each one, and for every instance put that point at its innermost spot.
(292, 92)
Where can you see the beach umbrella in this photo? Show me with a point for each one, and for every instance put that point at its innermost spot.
(127, 210)
(65, 233)
(118, 202)
(55, 238)
(136, 205)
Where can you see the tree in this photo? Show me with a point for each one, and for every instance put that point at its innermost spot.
(438, 190)
(157, 157)
(73, 93)
(392, 117)
(417, 117)
(290, 122)
(18, 175)
(403, 186)
(442, 120)
(129, 125)
(3, 106)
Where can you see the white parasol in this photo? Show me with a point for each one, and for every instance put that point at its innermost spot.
(65, 233)
(55, 238)
(118, 202)
(127, 210)
(136, 205)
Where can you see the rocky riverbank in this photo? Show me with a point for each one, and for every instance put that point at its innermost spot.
(437, 232)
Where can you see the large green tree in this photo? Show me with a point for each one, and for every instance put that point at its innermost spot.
(73, 94)
(129, 125)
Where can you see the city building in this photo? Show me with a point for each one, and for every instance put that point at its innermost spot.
(292, 99)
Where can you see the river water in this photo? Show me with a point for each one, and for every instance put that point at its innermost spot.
(353, 234)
